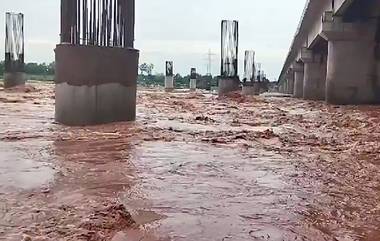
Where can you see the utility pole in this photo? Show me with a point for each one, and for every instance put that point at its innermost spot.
(209, 62)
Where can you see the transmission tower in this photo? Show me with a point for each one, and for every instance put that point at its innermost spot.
(209, 62)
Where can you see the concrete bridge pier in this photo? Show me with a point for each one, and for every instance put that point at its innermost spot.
(352, 75)
(193, 79)
(315, 68)
(285, 87)
(227, 85)
(280, 88)
(290, 80)
(169, 83)
(298, 69)
(96, 83)
(12, 79)
(251, 88)
(14, 64)
(193, 84)
(95, 90)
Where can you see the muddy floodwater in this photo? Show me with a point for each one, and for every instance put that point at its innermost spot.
(193, 167)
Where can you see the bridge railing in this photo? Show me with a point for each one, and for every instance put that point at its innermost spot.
(287, 61)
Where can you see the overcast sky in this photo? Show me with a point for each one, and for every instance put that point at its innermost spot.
(178, 30)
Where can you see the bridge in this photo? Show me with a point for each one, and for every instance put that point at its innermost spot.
(335, 54)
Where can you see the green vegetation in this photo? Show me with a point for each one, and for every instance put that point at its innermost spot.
(159, 80)
(181, 82)
(146, 78)
(40, 69)
(35, 71)
(45, 72)
(146, 68)
(151, 80)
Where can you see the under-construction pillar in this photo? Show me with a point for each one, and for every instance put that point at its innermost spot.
(96, 72)
(193, 79)
(169, 76)
(14, 74)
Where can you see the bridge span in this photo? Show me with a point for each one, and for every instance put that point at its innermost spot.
(335, 54)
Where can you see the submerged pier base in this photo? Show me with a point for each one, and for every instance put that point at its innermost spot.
(95, 85)
(169, 83)
(227, 85)
(12, 79)
(251, 89)
(193, 84)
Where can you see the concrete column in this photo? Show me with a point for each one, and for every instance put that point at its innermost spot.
(193, 84)
(352, 73)
(92, 90)
(298, 69)
(291, 86)
(12, 79)
(279, 87)
(285, 86)
(315, 68)
(251, 89)
(227, 85)
(169, 83)
(204, 83)
(290, 79)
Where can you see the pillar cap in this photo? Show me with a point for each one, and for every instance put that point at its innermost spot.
(306, 55)
(334, 29)
(297, 67)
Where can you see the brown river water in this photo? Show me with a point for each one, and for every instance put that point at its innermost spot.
(192, 167)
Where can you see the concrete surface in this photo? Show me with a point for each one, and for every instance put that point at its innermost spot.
(298, 69)
(89, 105)
(95, 85)
(298, 84)
(314, 84)
(92, 65)
(193, 84)
(352, 76)
(227, 85)
(290, 82)
(169, 83)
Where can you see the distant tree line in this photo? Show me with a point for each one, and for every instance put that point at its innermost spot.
(40, 69)
(159, 80)
(145, 77)
(34, 68)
